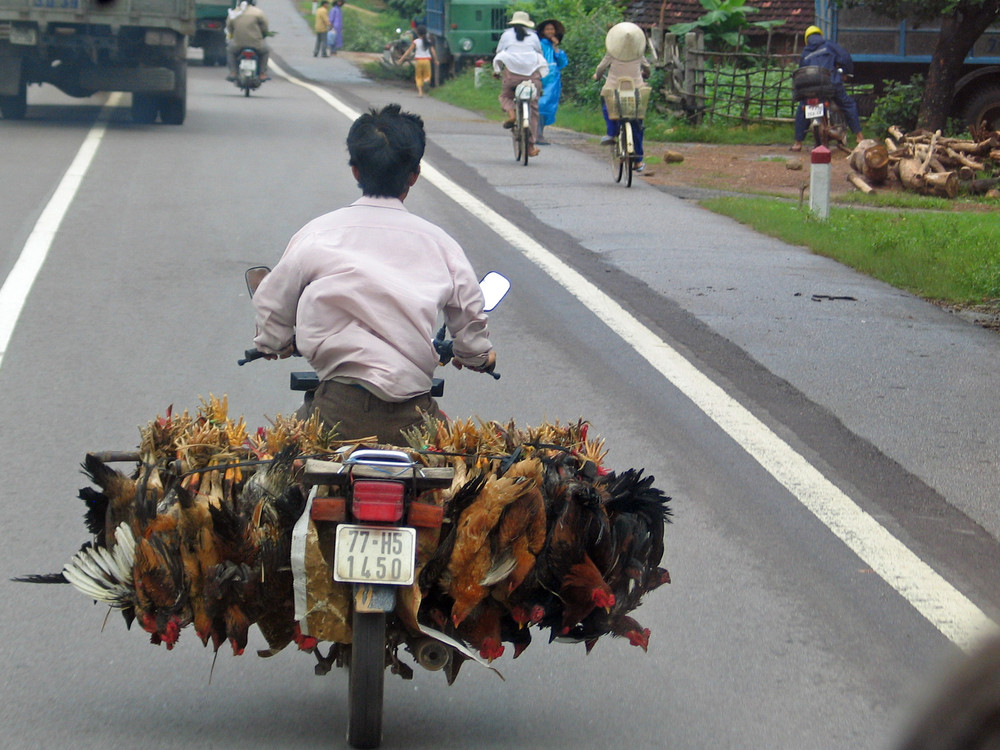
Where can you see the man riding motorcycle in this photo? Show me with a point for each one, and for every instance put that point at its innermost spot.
(247, 29)
(358, 292)
(830, 55)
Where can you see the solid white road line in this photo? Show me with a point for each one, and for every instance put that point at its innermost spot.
(16, 287)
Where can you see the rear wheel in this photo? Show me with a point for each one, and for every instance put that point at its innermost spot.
(14, 107)
(615, 157)
(173, 107)
(144, 108)
(367, 675)
(983, 107)
(628, 151)
(515, 135)
(525, 141)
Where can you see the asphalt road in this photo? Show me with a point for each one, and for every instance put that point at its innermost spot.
(775, 633)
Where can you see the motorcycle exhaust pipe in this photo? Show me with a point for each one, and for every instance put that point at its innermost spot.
(431, 654)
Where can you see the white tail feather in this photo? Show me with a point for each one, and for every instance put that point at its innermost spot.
(103, 574)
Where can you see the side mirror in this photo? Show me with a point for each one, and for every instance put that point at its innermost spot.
(254, 276)
(495, 287)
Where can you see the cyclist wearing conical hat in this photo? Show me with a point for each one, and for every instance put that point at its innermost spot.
(626, 58)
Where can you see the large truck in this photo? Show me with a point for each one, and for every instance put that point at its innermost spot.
(886, 49)
(85, 46)
(210, 30)
(465, 30)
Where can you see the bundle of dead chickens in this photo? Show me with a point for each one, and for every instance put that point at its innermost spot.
(537, 535)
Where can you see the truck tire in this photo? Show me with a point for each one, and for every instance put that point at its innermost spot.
(984, 106)
(14, 107)
(144, 108)
(173, 107)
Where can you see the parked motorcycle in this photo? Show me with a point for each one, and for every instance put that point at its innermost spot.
(813, 88)
(248, 70)
(371, 500)
(395, 49)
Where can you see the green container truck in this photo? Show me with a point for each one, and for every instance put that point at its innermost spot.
(210, 31)
(85, 46)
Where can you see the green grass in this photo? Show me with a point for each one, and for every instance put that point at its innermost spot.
(949, 257)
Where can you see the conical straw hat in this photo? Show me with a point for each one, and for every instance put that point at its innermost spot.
(625, 42)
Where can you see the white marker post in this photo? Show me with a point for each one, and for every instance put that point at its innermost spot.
(819, 182)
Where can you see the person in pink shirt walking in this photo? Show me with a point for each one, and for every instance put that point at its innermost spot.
(358, 293)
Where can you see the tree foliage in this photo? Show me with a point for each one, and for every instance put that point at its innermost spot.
(962, 22)
(722, 22)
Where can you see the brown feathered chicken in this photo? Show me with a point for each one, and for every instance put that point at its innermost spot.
(471, 558)
(583, 588)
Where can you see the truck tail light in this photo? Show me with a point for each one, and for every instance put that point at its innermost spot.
(378, 500)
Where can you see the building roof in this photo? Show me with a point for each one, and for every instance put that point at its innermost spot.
(797, 14)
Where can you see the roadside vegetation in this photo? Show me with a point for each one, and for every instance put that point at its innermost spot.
(948, 257)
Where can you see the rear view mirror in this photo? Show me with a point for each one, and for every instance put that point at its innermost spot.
(495, 287)
(254, 276)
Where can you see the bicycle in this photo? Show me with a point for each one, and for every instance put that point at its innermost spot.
(627, 105)
(521, 129)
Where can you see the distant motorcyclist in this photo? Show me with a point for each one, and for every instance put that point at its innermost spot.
(830, 55)
(248, 29)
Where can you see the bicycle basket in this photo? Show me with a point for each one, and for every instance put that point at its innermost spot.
(626, 102)
(812, 82)
(524, 90)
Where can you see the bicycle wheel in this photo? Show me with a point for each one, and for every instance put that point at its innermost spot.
(615, 157)
(524, 132)
(628, 147)
(515, 134)
(367, 680)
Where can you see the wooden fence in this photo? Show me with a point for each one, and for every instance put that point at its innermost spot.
(745, 86)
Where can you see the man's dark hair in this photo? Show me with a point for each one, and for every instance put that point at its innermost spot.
(386, 145)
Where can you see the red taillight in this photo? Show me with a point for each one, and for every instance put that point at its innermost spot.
(378, 500)
(249, 54)
(812, 102)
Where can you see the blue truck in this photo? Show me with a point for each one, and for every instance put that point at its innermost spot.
(883, 48)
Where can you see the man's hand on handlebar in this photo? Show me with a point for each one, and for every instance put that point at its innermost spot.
(288, 351)
(488, 366)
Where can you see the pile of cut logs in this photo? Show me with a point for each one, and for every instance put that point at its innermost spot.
(929, 163)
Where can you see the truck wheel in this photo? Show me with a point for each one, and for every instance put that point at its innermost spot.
(144, 108)
(14, 107)
(984, 106)
(173, 107)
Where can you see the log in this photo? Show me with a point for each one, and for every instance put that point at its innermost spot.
(964, 160)
(871, 159)
(944, 184)
(859, 182)
(896, 133)
(982, 186)
(966, 174)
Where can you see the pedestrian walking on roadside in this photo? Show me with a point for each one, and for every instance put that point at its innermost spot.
(321, 26)
(422, 49)
(336, 26)
(550, 35)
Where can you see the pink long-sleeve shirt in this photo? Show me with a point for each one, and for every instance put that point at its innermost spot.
(361, 289)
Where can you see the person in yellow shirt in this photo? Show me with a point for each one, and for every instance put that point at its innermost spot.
(321, 26)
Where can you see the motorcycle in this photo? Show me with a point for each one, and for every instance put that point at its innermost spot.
(395, 49)
(369, 505)
(248, 70)
(813, 88)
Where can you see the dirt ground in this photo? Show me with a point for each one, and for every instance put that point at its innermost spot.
(745, 169)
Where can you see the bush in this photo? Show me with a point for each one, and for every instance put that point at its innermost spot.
(898, 105)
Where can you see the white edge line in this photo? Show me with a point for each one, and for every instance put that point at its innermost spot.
(950, 611)
(17, 285)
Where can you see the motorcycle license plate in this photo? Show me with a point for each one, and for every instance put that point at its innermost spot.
(814, 110)
(374, 554)
(248, 67)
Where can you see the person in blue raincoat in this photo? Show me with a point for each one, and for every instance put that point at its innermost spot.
(550, 33)
(830, 55)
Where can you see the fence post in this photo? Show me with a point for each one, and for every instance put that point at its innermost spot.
(694, 73)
